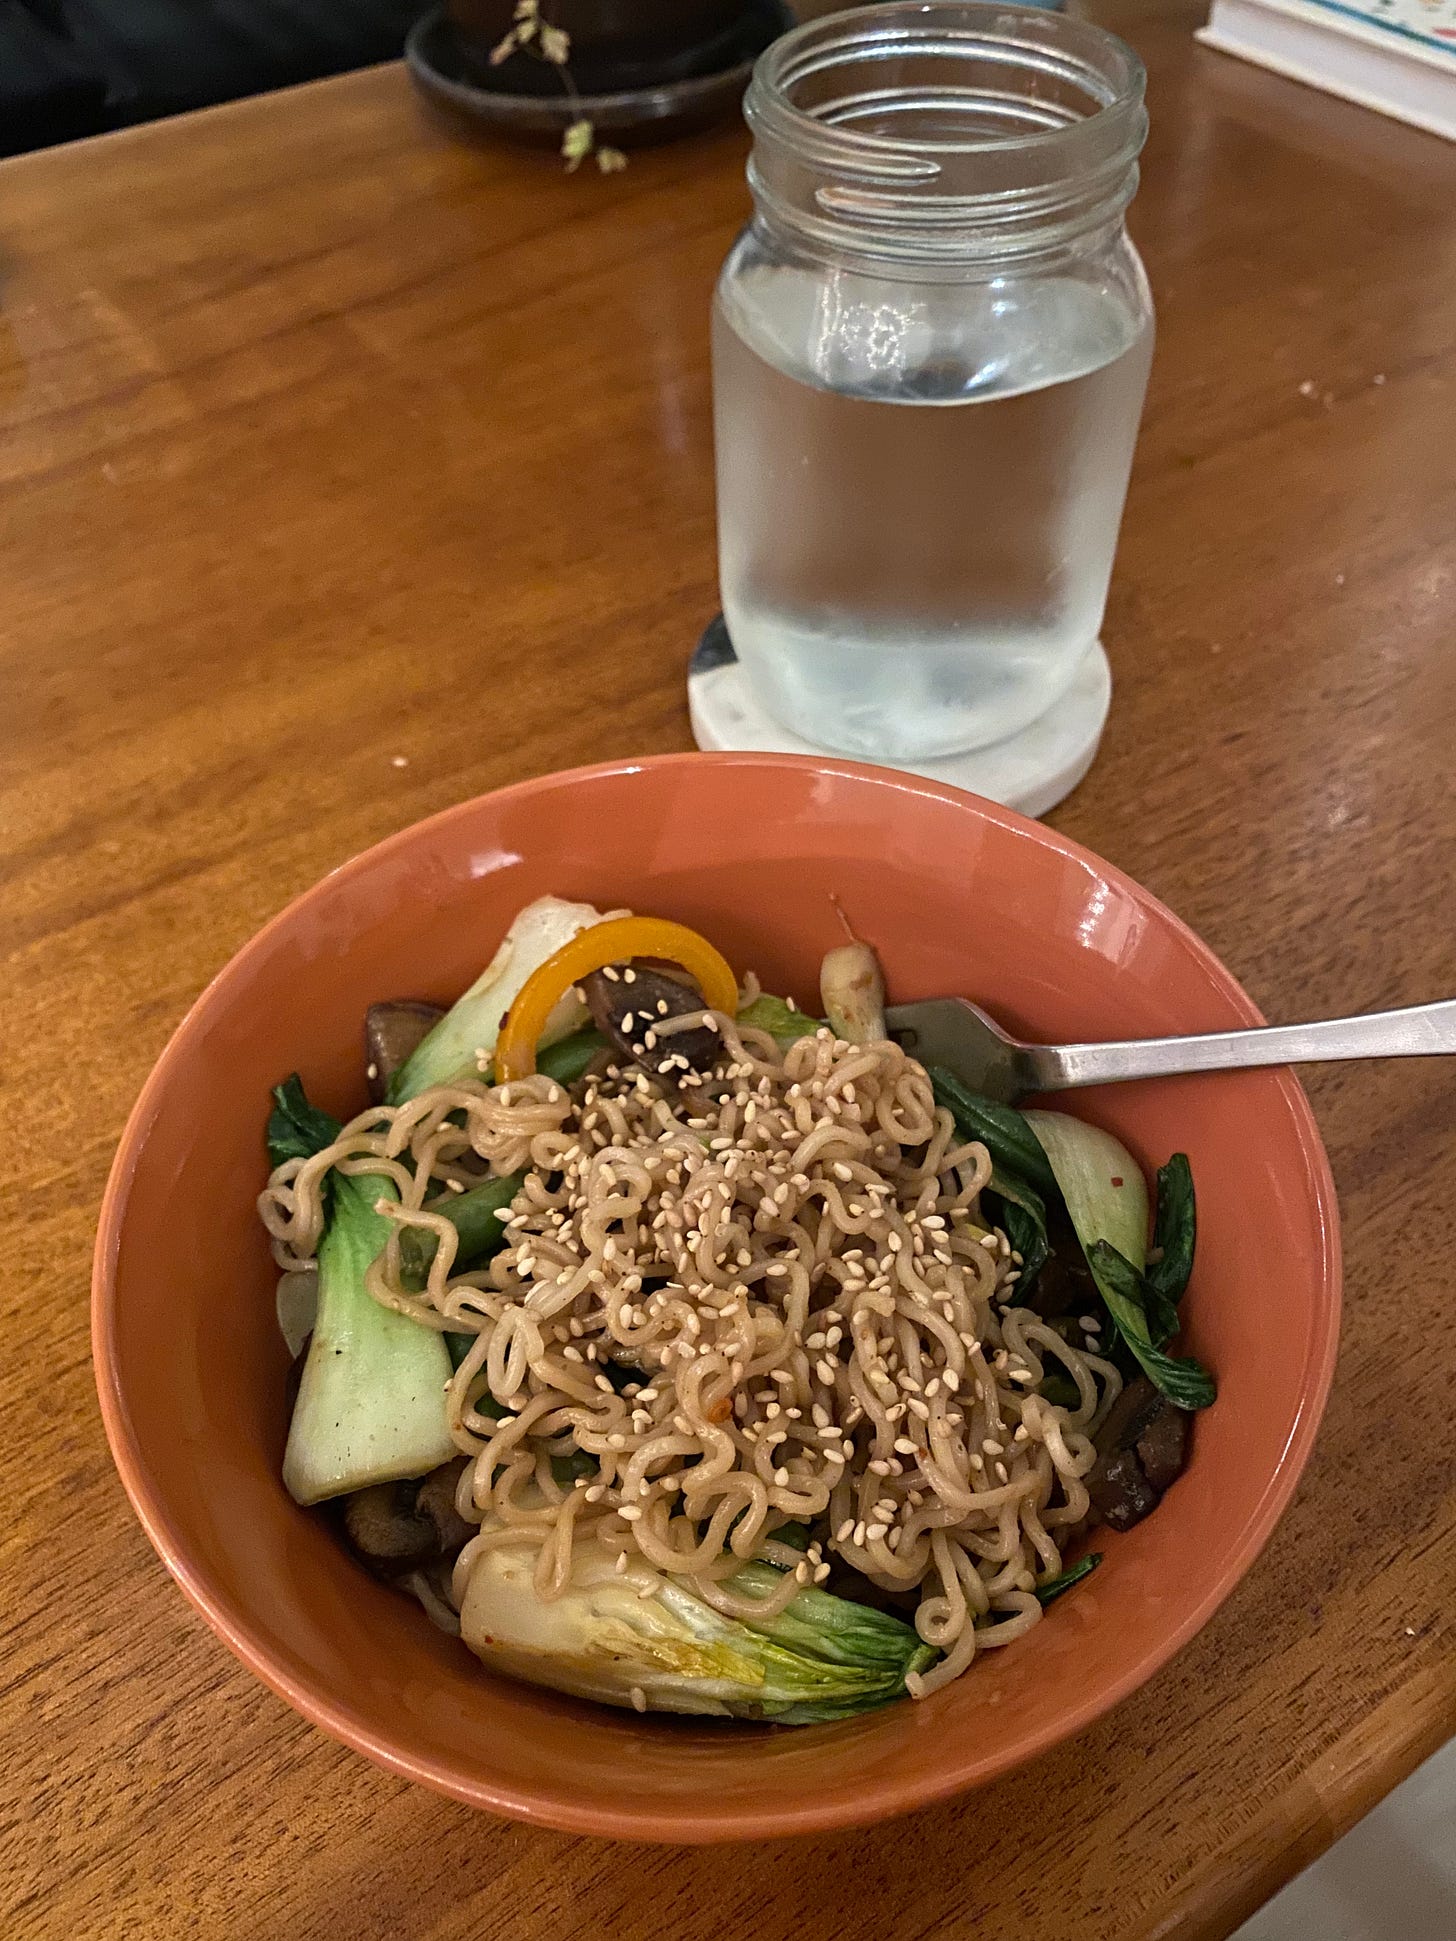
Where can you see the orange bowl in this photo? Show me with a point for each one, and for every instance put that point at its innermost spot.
(959, 896)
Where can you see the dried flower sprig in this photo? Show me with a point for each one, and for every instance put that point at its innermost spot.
(530, 33)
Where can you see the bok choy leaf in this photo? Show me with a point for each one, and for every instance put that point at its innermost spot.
(370, 1404)
(1024, 1220)
(1001, 1129)
(469, 1029)
(610, 1635)
(1020, 1180)
(1106, 1198)
(1175, 1229)
(778, 1017)
(1124, 1291)
(296, 1129)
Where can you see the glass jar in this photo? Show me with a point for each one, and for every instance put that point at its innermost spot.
(930, 348)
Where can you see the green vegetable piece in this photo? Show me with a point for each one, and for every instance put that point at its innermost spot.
(1022, 1214)
(1001, 1129)
(567, 1469)
(369, 1405)
(472, 1024)
(1101, 1183)
(796, 1535)
(476, 1216)
(1175, 1229)
(836, 1628)
(778, 1017)
(568, 1058)
(609, 1635)
(296, 1129)
(1106, 1198)
(458, 1346)
(1182, 1379)
(1060, 1390)
(1049, 1591)
(1020, 1175)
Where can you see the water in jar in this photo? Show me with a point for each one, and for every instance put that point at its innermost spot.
(919, 490)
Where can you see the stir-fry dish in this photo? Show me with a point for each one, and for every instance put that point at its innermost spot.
(686, 1350)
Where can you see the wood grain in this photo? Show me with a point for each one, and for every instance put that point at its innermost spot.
(329, 440)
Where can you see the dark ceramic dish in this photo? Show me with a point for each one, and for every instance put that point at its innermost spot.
(448, 70)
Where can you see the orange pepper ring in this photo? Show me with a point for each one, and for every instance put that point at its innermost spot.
(591, 950)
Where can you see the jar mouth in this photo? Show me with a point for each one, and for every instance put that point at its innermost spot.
(946, 114)
(938, 59)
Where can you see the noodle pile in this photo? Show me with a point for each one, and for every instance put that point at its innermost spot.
(759, 1297)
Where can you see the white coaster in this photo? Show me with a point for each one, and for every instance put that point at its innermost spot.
(1031, 771)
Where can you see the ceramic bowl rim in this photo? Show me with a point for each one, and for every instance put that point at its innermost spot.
(888, 1796)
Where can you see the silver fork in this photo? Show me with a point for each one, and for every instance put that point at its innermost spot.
(953, 1032)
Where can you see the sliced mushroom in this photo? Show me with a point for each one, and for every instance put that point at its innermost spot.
(392, 1033)
(436, 1501)
(385, 1529)
(1129, 1416)
(397, 1528)
(628, 1013)
(1121, 1491)
(1163, 1447)
(1142, 1450)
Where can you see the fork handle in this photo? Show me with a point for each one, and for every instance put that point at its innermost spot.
(1417, 1031)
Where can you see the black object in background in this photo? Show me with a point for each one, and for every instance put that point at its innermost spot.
(76, 67)
(48, 92)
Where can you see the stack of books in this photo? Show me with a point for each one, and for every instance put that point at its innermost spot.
(1395, 55)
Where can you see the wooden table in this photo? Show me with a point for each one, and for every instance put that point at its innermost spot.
(350, 471)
